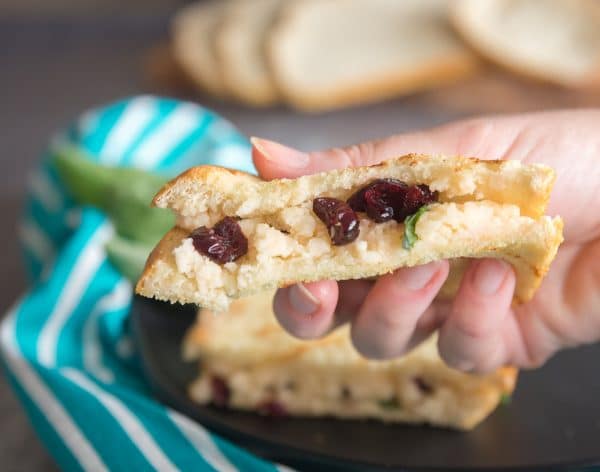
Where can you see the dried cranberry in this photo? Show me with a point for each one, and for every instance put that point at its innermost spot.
(223, 243)
(386, 199)
(340, 219)
(272, 408)
(423, 386)
(220, 391)
(378, 204)
(357, 199)
(378, 199)
(429, 195)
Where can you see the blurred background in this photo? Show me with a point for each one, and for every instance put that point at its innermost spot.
(61, 57)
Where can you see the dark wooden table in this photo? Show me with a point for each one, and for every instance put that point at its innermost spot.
(51, 71)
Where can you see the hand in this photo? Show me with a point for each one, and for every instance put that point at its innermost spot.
(479, 330)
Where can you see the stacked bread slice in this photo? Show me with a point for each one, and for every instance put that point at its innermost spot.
(194, 28)
(248, 362)
(330, 53)
(318, 54)
(556, 41)
(240, 49)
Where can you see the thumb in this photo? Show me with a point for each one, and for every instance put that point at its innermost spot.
(274, 160)
(487, 138)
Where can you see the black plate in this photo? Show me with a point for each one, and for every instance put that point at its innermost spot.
(552, 423)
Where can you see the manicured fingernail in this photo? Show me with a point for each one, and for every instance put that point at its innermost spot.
(302, 301)
(489, 275)
(415, 278)
(279, 154)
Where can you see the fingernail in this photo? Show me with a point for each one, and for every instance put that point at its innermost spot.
(280, 154)
(489, 275)
(302, 301)
(417, 277)
(464, 365)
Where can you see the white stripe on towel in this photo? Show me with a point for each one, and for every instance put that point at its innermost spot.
(45, 191)
(202, 442)
(284, 468)
(135, 118)
(171, 132)
(92, 346)
(48, 404)
(35, 240)
(82, 272)
(128, 421)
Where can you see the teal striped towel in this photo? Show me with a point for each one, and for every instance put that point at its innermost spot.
(66, 346)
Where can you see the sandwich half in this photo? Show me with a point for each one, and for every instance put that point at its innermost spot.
(237, 235)
(248, 362)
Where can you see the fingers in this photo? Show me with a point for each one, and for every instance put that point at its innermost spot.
(310, 311)
(306, 310)
(385, 325)
(352, 296)
(565, 311)
(274, 160)
(489, 138)
(473, 336)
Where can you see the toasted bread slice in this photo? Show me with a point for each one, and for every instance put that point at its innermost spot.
(193, 33)
(259, 367)
(485, 209)
(240, 50)
(555, 40)
(333, 53)
(217, 191)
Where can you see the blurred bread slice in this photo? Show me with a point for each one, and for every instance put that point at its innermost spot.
(553, 40)
(333, 53)
(249, 362)
(240, 50)
(193, 31)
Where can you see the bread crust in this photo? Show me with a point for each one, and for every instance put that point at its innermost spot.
(200, 174)
(455, 177)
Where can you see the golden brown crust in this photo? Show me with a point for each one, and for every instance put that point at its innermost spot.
(163, 252)
(455, 177)
(200, 174)
(509, 377)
